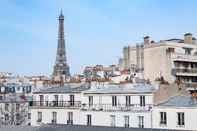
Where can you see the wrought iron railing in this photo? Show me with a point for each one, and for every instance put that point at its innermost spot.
(184, 70)
(118, 107)
(56, 104)
(184, 57)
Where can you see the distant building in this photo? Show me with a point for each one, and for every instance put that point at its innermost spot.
(15, 89)
(173, 59)
(61, 70)
(100, 72)
(14, 110)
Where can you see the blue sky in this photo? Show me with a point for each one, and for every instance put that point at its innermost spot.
(96, 30)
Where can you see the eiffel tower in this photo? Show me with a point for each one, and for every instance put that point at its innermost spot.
(61, 69)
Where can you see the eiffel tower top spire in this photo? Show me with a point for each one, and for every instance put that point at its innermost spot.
(61, 68)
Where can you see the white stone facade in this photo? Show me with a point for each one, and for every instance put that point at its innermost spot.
(127, 105)
(130, 107)
(172, 118)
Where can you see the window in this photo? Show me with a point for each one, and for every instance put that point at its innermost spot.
(128, 100)
(29, 116)
(70, 118)
(142, 100)
(29, 89)
(113, 120)
(1, 97)
(41, 100)
(17, 117)
(18, 88)
(72, 100)
(90, 98)
(141, 121)
(6, 117)
(46, 100)
(89, 120)
(23, 89)
(61, 102)
(170, 50)
(181, 119)
(55, 100)
(54, 117)
(100, 100)
(17, 107)
(13, 89)
(126, 121)
(163, 118)
(39, 117)
(6, 107)
(114, 101)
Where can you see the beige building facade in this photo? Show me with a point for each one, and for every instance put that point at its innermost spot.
(173, 59)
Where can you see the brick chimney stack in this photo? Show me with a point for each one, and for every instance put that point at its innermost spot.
(188, 38)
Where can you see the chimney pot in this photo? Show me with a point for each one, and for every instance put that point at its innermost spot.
(146, 40)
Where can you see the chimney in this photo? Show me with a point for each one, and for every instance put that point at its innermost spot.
(146, 40)
(188, 38)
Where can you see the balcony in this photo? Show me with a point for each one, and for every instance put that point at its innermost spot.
(119, 107)
(54, 104)
(183, 57)
(184, 71)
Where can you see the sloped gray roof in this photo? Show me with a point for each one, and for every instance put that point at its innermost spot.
(180, 101)
(129, 88)
(65, 89)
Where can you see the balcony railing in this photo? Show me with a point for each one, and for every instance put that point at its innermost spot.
(184, 70)
(183, 57)
(69, 122)
(71, 104)
(53, 121)
(191, 85)
(119, 107)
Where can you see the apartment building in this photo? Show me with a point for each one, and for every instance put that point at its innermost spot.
(172, 59)
(126, 105)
